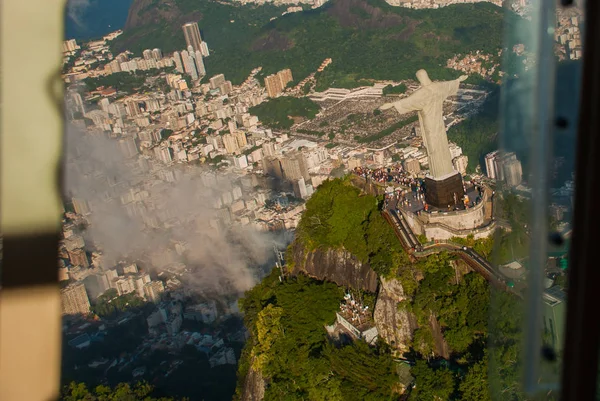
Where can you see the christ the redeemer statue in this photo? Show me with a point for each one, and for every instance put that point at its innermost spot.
(428, 101)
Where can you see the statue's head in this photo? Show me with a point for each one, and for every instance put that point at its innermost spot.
(423, 77)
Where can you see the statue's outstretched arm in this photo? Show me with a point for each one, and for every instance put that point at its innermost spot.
(403, 106)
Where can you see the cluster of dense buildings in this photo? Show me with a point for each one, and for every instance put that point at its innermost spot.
(276, 83)
(312, 3)
(417, 4)
(420, 4)
(189, 61)
(90, 280)
(475, 63)
(567, 32)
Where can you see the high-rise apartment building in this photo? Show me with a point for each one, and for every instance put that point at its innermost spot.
(78, 257)
(115, 66)
(492, 169)
(163, 153)
(192, 35)
(189, 64)
(216, 81)
(294, 167)
(81, 206)
(460, 164)
(240, 161)
(178, 61)
(276, 83)
(147, 54)
(70, 45)
(285, 76)
(513, 172)
(140, 280)
(78, 102)
(300, 188)
(269, 149)
(125, 285)
(273, 85)
(272, 167)
(204, 49)
(111, 276)
(226, 88)
(133, 108)
(153, 289)
(199, 63)
(157, 54)
(241, 139)
(230, 142)
(504, 167)
(74, 299)
(455, 150)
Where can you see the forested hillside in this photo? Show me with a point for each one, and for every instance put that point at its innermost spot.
(452, 306)
(366, 39)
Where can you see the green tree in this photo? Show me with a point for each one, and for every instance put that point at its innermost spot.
(475, 385)
(431, 384)
(391, 89)
(276, 113)
(123, 392)
(268, 330)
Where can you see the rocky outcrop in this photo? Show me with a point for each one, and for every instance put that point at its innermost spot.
(336, 265)
(395, 326)
(254, 386)
(441, 346)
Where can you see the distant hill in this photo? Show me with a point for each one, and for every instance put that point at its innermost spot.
(365, 39)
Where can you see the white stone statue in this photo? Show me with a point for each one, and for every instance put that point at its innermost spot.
(428, 101)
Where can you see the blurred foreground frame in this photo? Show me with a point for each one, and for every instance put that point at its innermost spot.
(580, 369)
(31, 145)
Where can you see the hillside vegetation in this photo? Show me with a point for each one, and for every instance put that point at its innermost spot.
(338, 215)
(290, 347)
(366, 39)
(276, 113)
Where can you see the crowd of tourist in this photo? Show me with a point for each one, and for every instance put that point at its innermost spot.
(409, 198)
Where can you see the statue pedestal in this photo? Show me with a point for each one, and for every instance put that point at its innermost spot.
(440, 193)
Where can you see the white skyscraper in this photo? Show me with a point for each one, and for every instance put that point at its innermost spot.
(157, 54)
(178, 62)
(513, 172)
(199, 63)
(204, 49)
(491, 161)
(189, 64)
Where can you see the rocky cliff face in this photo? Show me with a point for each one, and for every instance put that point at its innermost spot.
(254, 386)
(396, 327)
(336, 265)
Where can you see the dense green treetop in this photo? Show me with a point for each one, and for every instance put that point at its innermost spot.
(290, 346)
(276, 113)
(338, 215)
(110, 303)
(123, 392)
(398, 89)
